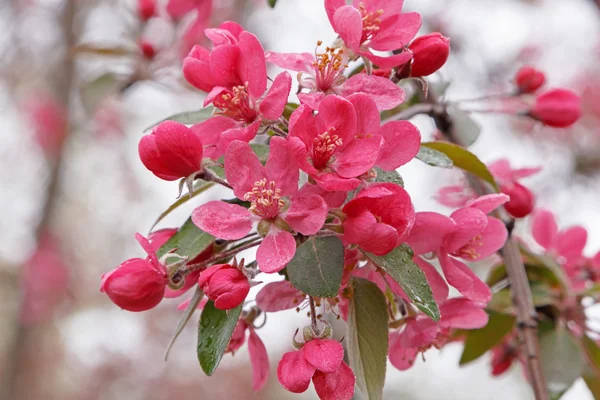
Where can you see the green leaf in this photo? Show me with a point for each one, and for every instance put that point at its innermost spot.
(98, 89)
(185, 317)
(187, 117)
(465, 128)
(479, 341)
(214, 333)
(189, 241)
(388, 176)
(368, 337)
(561, 360)
(464, 159)
(400, 265)
(289, 109)
(434, 158)
(199, 187)
(317, 266)
(272, 3)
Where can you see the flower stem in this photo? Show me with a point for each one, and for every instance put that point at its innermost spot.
(221, 256)
(208, 175)
(313, 316)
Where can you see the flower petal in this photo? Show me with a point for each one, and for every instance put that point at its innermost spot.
(371, 236)
(358, 157)
(544, 229)
(294, 372)
(275, 251)
(271, 107)
(252, 64)
(245, 134)
(461, 313)
(325, 354)
(428, 231)
(368, 120)
(388, 62)
(402, 143)
(488, 203)
(301, 62)
(382, 91)
(470, 222)
(282, 167)
(196, 69)
(464, 280)
(225, 221)
(242, 168)
(210, 132)
(337, 114)
(571, 242)
(396, 31)
(223, 65)
(347, 23)
(400, 356)
(338, 385)
(439, 287)
(259, 360)
(306, 214)
(279, 296)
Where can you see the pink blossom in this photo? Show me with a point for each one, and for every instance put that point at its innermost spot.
(522, 200)
(279, 296)
(567, 244)
(379, 218)
(177, 9)
(49, 120)
(455, 195)
(323, 73)
(259, 359)
(468, 234)
(322, 361)
(374, 25)
(195, 32)
(224, 284)
(275, 203)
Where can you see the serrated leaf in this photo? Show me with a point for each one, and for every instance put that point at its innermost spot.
(199, 187)
(561, 360)
(317, 266)
(388, 176)
(434, 158)
(479, 341)
(189, 241)
(272, 3)
(187, 117)
(368, 337)
(465, 128)
(185, 317)
(214, 332)
(98, 89)
(464, 159)
(401, 267)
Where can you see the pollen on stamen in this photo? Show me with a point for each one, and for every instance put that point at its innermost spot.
(265, 199)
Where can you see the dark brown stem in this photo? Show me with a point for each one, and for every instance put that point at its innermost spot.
(313, 316)
(221, 256)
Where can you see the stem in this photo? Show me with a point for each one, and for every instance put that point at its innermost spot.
(313, 316)
(208, 175)
(484, 98)
(221, 256)
(421, 108)
(278, 130)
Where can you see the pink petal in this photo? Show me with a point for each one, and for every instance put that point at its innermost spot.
(455, 195)
(225, 221)
(571, 242)
(470, 222)
(245, 134)
(209, 133)
(368, 120)
(388, 62)
(493, 238)
(215, 94)
(396, 32)
(334, 182)
(428, 232)
(460, 313)
(401, 357)
(332, 199)
(294, 372)
(382, 91)
(302, 125)
(544, 229)
(371, 236)
(347, 23)
(439, 287)
(338, 385)
(301, 62)
(464, 280)
(306, 214)
(337, 113)
(525, 172)
(279, 296)
(184, 304)
(223, 65)
(252, 65)
(402, 142)
(389, 7)
(488, 203)
(501, 170)
(275, 251)
(300, 152)
(271, 107)
(196, 69)
(312, 100)
(358, 157)
(259, 360)
(282, 167)
(326, 355)
(331, 6)
(242, 168)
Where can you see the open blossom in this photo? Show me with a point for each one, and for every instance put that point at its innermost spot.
(374, 25)
(259, 359)
(322, 361)
(224, 284)
(522, 200)
(323, 74)
(558, 108)
(430, 53)
(279, 296)
(567, 244)
(272, 191)
(468, 234)
(137, 284)
(172, 151)
(379, 218)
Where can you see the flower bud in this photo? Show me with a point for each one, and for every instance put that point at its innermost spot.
(529, 79)
(558, 108)
(430, 53)
(225, 285)
(147, 49)
(521, 201)
(146, 9)
(136, 285)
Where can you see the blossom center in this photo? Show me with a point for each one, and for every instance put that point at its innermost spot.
(324, 146)
(370, 21)
(469, 250)
(235, 104)
(265, 199)
(329, 67)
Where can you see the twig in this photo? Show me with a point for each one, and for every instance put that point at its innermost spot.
(313, 316)
(221, 256)
(421, 108)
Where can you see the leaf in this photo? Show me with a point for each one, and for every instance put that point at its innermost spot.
(185, 317)
(214, 333)
(187, 117)
(317, 266)
(272, 3)
(368, 337)
(189, 241)
(388, 176)
(592, 351)
(593, 383)
(98, 89)
(434, 158)
(400, 265)
(464, 159)
(561, 360)
(479, 341)
(199, 187)
(465, 128)
(289, 109)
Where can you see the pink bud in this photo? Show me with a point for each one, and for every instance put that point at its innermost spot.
(521, 201)
(529, 79)
(136, 285)
(171, 151)
(147, 49)
(558, 108)
(430, 53)
(49, 120)
(146, 9)
(225, 285)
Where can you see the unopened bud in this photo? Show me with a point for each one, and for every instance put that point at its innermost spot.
(430, 53)
(558, 108)
(529, 79)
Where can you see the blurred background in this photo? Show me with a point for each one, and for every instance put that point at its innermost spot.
(79, 82)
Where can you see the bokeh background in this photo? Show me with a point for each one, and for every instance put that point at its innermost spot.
(76, 94)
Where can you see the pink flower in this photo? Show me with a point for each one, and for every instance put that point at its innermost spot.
(430, 53)
(522, 200)
(321, 361)
(177, 9)
(323, 73)
(147, 49)
(279, 296)
(379, 218)
(195, 32)
(259, 359)
(49, 120)
(224, 284)
(558, 108)
(503, 356)
(374, 25)
(455, 196)
(146, 9)
(567, 244)
(468, 234)
(272, 193)
(421, 333)
(137, 284)
(529, 79)
(328, 146)
(172, 151)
